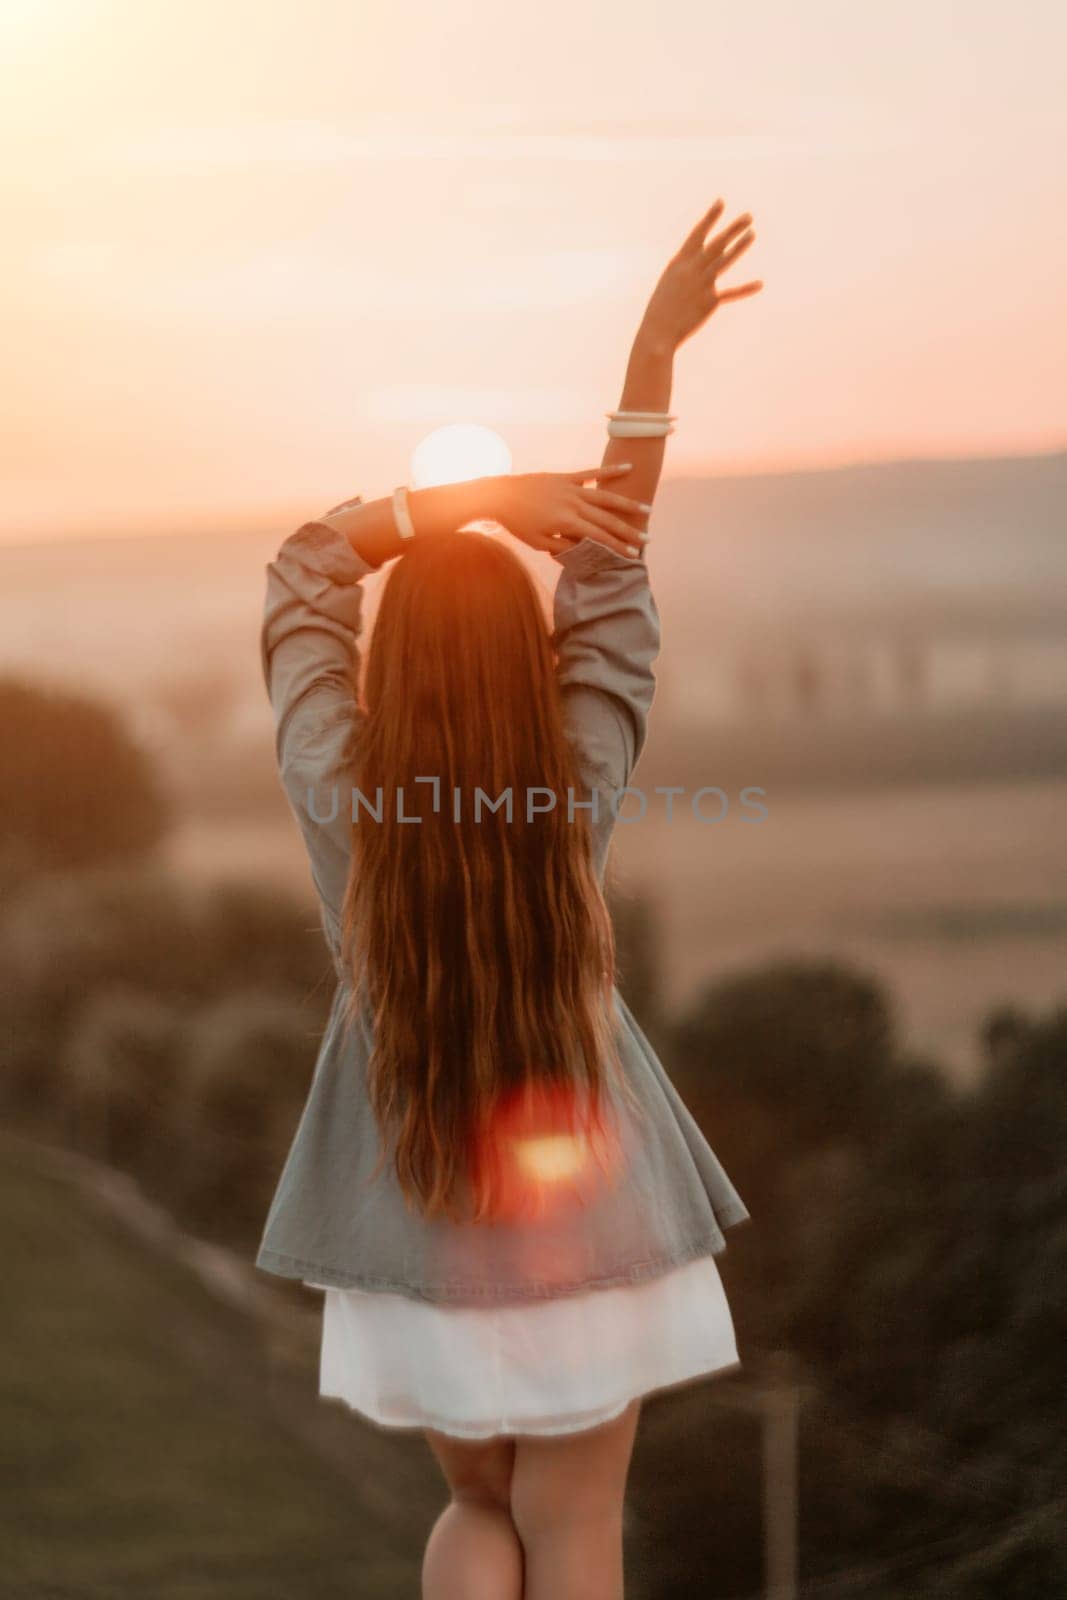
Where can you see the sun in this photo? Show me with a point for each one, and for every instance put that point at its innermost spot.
(457, 453)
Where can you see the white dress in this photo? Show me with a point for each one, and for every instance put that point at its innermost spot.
(552, 1366)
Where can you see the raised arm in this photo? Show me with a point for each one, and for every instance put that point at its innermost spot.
(606, 636)
(605, 624)
(546, 510)
(310, 657)
(607, 633)
(685, 296)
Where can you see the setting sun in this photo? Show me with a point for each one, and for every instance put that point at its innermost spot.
(457, 453)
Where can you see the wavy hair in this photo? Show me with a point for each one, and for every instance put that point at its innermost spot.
(480, 945)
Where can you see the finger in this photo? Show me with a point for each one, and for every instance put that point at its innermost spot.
(738, 250)
(551, 541)
(614, 471)
(695, 237)
(718, 244)
(621, 502)
(741, 291)
(614, 525)
(623, 547)
(616, 536)
(628, 532)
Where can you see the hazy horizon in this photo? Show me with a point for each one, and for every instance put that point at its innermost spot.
(254, 519)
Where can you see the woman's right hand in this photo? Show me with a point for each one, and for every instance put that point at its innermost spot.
(553, 510)
(688, 291)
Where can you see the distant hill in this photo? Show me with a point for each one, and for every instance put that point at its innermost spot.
(950, 534)
(947, 540)
(757, 578)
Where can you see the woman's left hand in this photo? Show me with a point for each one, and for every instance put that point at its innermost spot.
(688, 289)
(552, 510)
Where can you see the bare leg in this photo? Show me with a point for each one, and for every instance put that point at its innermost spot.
(567, 1496)
(473, 1552)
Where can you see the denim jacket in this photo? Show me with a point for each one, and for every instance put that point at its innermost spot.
(665, 1198)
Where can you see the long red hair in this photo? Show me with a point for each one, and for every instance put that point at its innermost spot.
(481, 947)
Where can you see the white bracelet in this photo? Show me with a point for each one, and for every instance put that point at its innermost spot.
(650, 416)
(636, 428)
(401, 515)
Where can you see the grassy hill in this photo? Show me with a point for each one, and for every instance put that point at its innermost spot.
(152, 1447)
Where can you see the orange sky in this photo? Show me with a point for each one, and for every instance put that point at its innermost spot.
(256, 250)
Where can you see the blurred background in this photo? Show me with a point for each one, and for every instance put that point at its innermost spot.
(255, 254)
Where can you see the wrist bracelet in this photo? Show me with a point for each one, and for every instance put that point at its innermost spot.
(638, 428)
(401, 515)
(648, 416)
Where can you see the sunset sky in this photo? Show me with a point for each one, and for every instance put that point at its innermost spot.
(255, 250)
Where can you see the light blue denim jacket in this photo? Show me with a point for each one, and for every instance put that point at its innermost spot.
(668, 1199)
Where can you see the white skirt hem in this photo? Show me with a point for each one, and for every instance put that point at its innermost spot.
(572, 1424)
(559, 1366)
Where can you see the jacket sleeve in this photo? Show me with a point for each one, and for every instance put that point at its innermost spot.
(310, 656)
(606, 633)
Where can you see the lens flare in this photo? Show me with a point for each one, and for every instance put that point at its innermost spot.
(551, 1158)
(547, 1159)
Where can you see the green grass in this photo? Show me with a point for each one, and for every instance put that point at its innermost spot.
(149, 1447)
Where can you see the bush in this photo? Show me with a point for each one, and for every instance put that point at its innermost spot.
(77, 790)
(62, 938)
(121, 1067)
(248, 1065)
(814, 1039)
